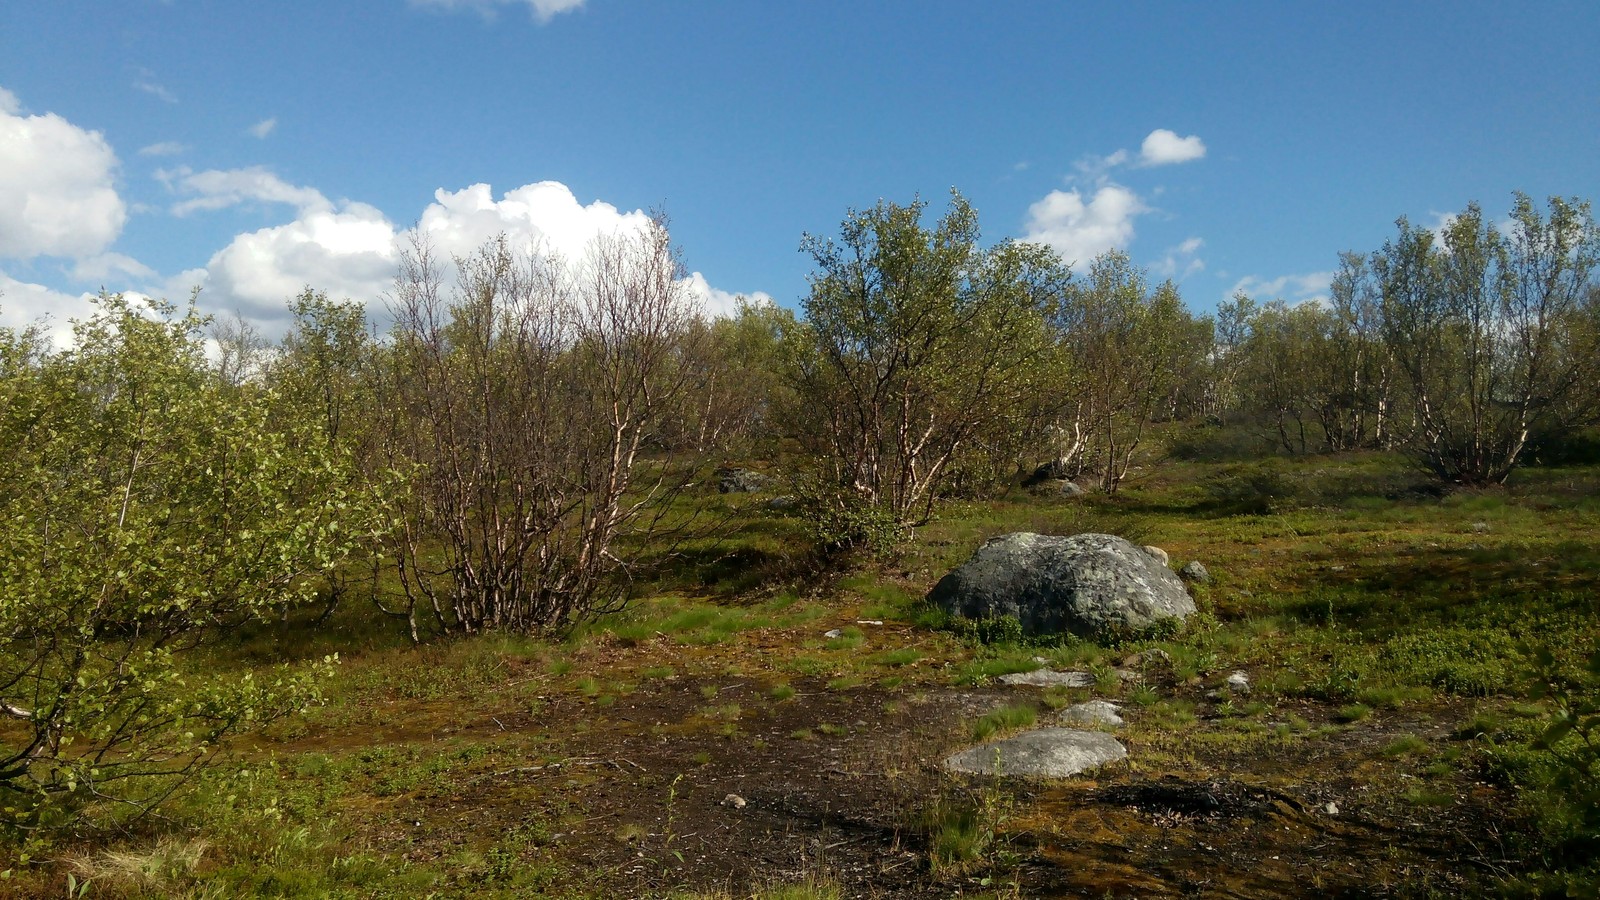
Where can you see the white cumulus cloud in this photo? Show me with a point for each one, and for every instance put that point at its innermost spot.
(352, 249)
(546, 211)
(1082, 228)
(23, 304)
(717, 303)
(348, 252)
(57, 186)
(1163, 147)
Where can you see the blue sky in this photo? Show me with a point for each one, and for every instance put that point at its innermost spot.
(253, 148)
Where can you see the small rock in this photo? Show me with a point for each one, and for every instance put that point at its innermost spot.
(1071, 489)
(1149, 657)
(1480, 527)
(833, 633)
(733, 801)
(869, 621)
(782, 504)
(1331, 808)
(1239, 683)
(1048, 678)
(1195, 571)
(1093, 712)
(1042, 753)
(1157, 552)
(1128, 675)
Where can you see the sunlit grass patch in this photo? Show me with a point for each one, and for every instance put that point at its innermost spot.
(850, 638)
(894, 659)
(984, 668)
(1405, 745)
(1005, 719)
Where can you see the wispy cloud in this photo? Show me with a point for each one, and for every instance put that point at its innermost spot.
(1182, 260)
(216, 189)
(543, 10)
(263, 128)
(1311, 287)
(108, 266)
(146, 81)
(164, 148)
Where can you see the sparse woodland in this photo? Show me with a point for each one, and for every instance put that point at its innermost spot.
(493, 484)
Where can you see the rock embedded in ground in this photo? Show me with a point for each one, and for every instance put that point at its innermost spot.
(1042, 753)
(1092, 712)
(1195, 571)
(1090, 585)
(1048, 678)
(1151, 657)
(1239, 683)
(734, 480)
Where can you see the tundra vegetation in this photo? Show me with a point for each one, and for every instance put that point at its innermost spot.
(444, 600)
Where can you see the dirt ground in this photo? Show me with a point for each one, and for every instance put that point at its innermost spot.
(706, 784)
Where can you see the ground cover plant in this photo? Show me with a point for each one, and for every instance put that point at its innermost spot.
(1389, 645)
(541, 595)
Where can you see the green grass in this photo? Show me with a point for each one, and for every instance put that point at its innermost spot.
(1008, 718)
(895, 659)
(1347, 591)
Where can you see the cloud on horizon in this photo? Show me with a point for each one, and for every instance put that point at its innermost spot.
(1311, 287)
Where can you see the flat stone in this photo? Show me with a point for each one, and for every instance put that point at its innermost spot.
(1043, 753)
(1048, 678)
(1092, 712)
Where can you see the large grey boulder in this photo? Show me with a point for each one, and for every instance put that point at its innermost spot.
(1092, 585)
(1042, 753)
